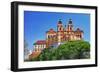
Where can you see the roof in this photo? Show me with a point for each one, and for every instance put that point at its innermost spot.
(78, 30)
(51, 31)
(39, 42)
(59, 22)
(70, 21)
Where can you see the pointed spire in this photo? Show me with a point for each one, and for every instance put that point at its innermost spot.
(70, 21)
(59, 22)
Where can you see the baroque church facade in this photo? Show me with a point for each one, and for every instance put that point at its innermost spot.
(63, 34)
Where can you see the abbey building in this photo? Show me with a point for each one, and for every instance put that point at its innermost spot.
(63, 34)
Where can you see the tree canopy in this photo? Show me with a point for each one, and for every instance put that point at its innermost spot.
(68, 50)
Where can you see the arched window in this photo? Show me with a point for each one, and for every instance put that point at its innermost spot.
(80, 36)
(60, 28)
(70, 28)
(48, 36)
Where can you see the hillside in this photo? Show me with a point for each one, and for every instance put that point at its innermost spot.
(68, 50)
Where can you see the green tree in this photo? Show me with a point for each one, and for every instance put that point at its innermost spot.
(68, 50)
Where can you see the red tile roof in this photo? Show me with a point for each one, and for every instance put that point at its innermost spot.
(51, 31)
(41, 42)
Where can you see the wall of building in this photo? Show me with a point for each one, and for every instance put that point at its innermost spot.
(63, 34)
(39, 47)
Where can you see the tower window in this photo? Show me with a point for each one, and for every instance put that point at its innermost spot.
(70, 28)
(60, 28)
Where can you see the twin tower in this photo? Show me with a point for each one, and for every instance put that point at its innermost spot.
(62, 34)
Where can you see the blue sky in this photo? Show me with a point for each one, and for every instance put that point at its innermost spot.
(37, 23)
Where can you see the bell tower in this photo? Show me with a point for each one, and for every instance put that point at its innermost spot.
(69, 31)
(60, 32)
(70, 25)
(60, 26)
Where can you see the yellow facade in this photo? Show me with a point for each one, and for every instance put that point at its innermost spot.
(63, 34)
